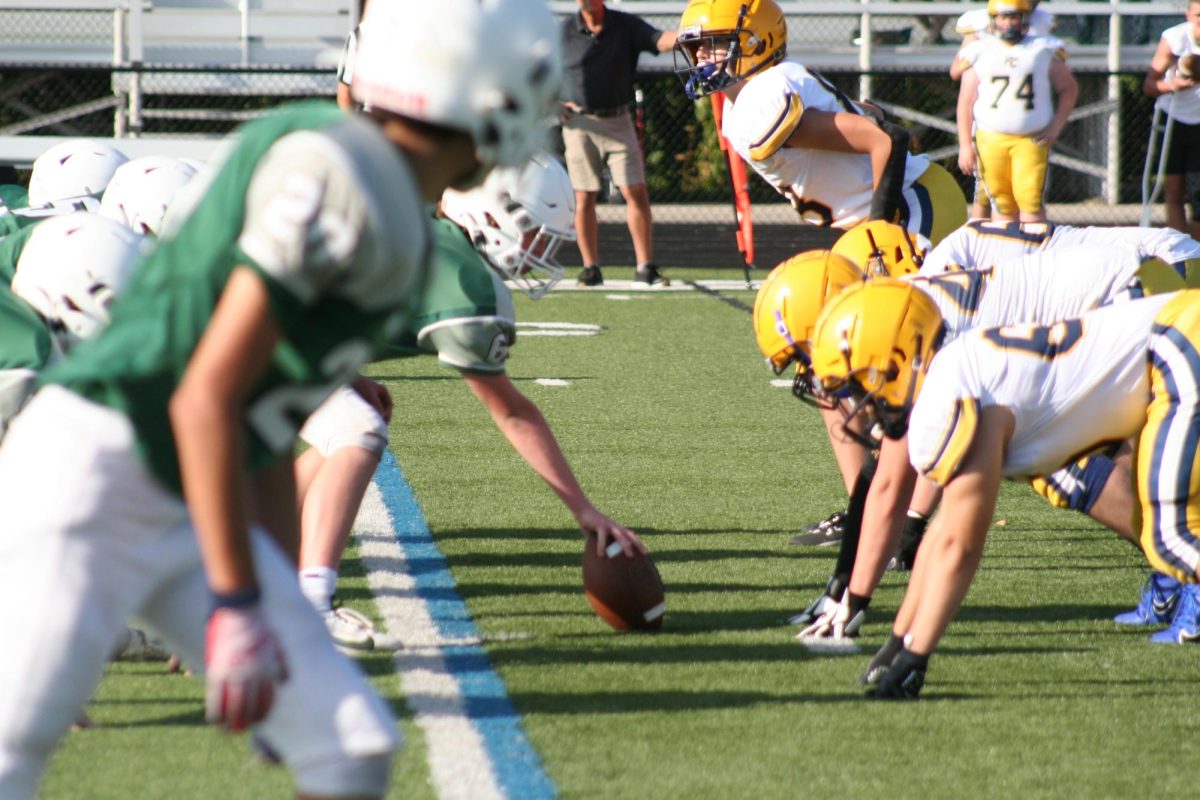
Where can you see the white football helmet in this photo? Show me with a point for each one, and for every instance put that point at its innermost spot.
(518, 219)
(490, 68)
(74, 169)
(71, 270)
(140, 190)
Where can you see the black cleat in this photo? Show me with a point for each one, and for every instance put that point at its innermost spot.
(825, 533)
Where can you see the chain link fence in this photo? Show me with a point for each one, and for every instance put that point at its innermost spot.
(1096, 173)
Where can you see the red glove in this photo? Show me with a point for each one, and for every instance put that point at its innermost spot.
(243, 662)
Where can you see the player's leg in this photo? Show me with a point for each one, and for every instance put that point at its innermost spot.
(995, 170)
(624, 158)
(347, 437)
(585, 166)
(1168, 458)
(1030, 163)
(78, 507)
(327, 724)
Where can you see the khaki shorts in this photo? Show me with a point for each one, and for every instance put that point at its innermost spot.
(591, 142)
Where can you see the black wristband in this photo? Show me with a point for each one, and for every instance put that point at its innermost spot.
(908, 660)
(242, 598)
(858, 603)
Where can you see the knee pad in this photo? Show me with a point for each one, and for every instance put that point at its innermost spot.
(349, 776)
(1077, 486)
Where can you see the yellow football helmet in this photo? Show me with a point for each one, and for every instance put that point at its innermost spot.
(883, 248)
(997, 7)
(722, 42)
(874, 341)
(788, 303)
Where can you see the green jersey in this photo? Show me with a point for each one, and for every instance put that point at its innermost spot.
(327, 212)
(26, 347)
(466, 314)
(13, 196)
(10, 252)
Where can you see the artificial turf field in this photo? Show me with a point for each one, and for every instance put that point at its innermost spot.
(671, 422)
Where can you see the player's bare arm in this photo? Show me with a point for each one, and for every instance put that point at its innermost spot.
(1066, 89)
(523, 424)
(883, 516)
(952, 556)
(206, 414)
(968, 92)
(1156, 82)
(843, 132)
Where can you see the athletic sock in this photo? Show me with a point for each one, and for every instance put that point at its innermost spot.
(317, 585)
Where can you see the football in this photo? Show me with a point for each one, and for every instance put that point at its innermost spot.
(627, 593)
(1189, 64)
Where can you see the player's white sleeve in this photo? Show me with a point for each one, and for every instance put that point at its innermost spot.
(766, 114)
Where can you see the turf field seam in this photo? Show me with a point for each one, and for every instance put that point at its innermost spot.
(476, 743)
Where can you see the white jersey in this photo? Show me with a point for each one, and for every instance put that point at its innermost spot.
(1038, 288)
(1073, 387)
(1184, 106)
(980, 243)
(1015, 96)
(826, 187)
(976, 22)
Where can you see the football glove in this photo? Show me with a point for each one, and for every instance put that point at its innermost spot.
(243, 663)
(882, 661)
(833, 590)
(835, 630)
(904, 680)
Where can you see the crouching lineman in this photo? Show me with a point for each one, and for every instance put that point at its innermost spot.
(830, 156)
(1013, 401)
(515, 222)
(1039, 288)
(981, 244)
(308, 248)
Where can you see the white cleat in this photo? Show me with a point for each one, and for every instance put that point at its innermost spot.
(353, 633)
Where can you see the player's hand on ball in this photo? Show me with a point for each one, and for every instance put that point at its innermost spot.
(243, 664)
(592, 522)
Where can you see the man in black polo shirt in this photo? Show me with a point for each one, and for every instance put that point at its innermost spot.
(600, 49)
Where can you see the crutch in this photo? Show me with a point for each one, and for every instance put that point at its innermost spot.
(1151, 194)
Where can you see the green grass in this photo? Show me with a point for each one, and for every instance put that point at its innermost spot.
(674, 429)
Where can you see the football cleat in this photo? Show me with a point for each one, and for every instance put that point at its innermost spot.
(825, 533)
(135, 644)
(882, 661)
(353, 632)
(1157, 603)
(1185, 625)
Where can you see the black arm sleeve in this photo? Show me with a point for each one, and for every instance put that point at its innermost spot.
(885, 204)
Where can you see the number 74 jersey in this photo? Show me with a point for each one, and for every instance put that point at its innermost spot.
(1073, 386)
(1014, 83)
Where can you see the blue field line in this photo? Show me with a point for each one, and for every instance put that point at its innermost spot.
(517, 766)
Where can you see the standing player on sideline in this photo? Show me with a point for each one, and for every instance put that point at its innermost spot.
(515, 222)
(973, 25)
(306, 250)
(1015, 401)
(1179, 98)
(834, 162)
(1008, 117)
(980, 244)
